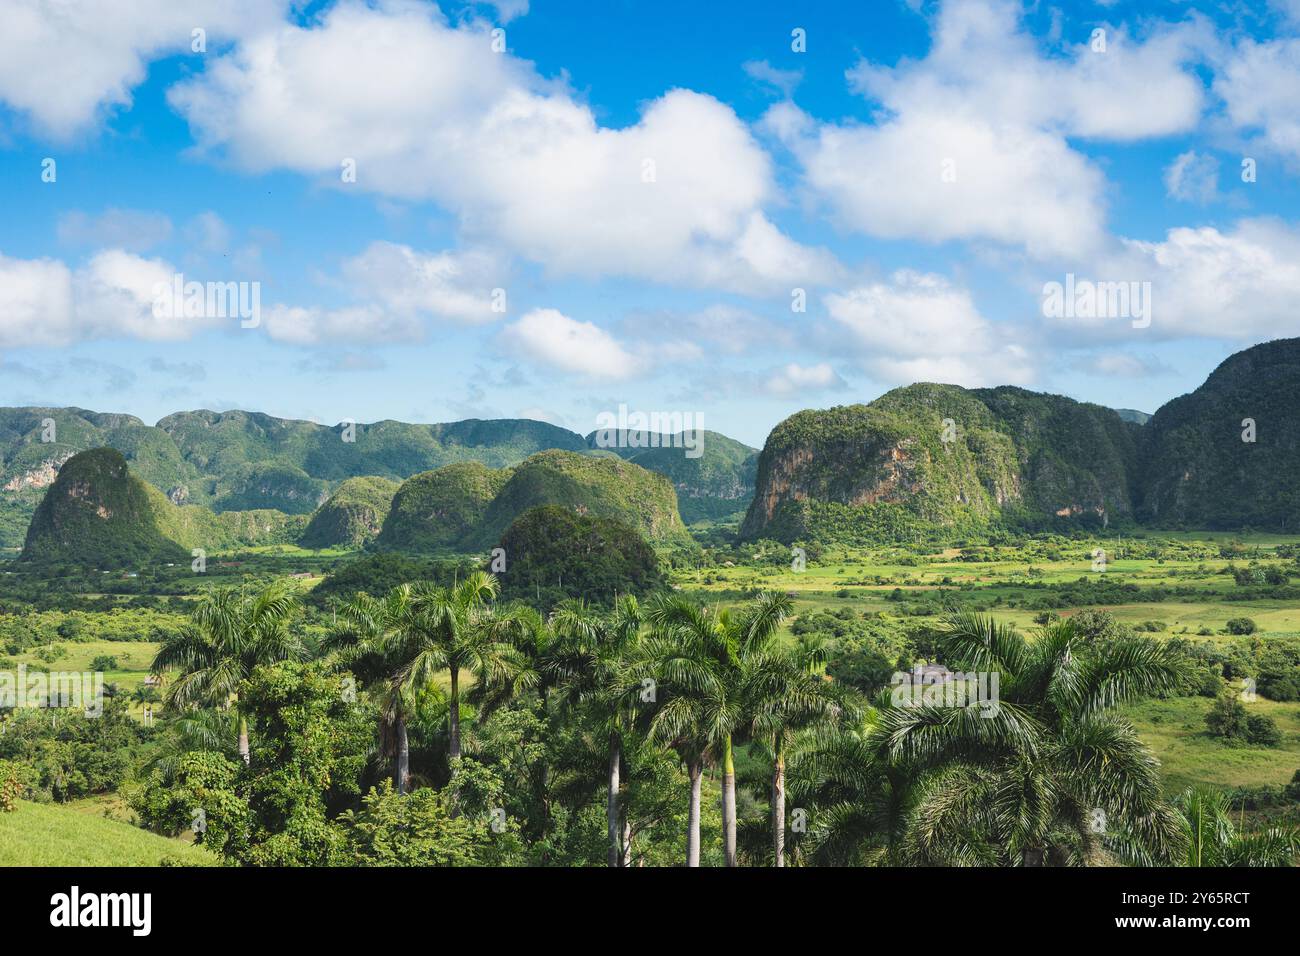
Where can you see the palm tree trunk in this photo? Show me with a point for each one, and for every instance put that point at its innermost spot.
(728, 802)
(627, 841)
(243, 739)
(693, 818)
(778, 805)
(611, 805)
(402, 770)
(454, 714)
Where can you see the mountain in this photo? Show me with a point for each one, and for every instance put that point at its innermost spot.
(928, 455)
(239, 461)
(352, 516)
(600, 485)
(1199, 467)
(470, 506)
(440, 508)
(96, 512)
(715, 483)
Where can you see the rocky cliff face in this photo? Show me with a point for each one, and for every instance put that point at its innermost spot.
(1227, 455)
(941, 455)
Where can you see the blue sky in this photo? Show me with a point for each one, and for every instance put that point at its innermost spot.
(644, 191)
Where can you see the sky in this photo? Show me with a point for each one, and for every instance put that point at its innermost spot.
(549, 210)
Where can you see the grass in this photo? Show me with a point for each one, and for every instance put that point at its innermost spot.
(42, 834)
(1175, 730)
(133, 661)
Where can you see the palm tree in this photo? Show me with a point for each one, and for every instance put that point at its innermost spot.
(1048, 775)
(785, 693)
(369, 636)
(1212, 840)
(591, 662)
(700, 656)
(231, 632)
(457, 630)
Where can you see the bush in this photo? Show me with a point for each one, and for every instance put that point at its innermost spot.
(1210, 684)
(1292, 790)
(104, 662)
(1227, 718)
(1241, 625)
(1262, 730)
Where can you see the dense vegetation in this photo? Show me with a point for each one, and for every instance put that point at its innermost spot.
(551, 553)
(963, 461)
(352, 516)
(716, 484)
(441, 508)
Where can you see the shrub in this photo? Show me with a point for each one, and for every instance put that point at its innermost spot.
(1227, 718)
(104, 662)
(1241, 625)
(1262, 730)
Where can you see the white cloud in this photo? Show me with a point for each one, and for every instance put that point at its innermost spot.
(366, 324)
(451, 285)
(1258, 83)
(1236, 284)
(919, 327)
(64, 63)
(1193, 177)
(795, 379)
(971, 142)
(429, 112)
(45, 303)
(35, 302)
(548, 337)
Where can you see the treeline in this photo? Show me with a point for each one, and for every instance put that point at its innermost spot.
(437, 725)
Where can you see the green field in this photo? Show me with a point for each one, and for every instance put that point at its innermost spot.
(1174, 729)
(48, 835)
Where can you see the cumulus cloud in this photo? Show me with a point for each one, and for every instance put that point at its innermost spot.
(1258, 83)
(449, 285)
(971, 142)
(551, 339)
(314, 325)
(919, 327)
(1229, 284)
(795, 379)
(428, 111)
(43, 302)
(63, 64)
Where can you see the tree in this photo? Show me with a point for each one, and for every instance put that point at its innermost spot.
(231, 632)
(785, 693)
(698, 656)
(1212, 840)
(591, 662)
(375, 637)
(1050, 775)
(1227, 717)
(457, 630)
